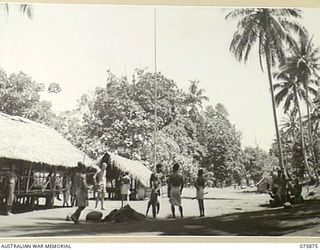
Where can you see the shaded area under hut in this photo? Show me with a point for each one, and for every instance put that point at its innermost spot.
(138, 172)
(41, 159)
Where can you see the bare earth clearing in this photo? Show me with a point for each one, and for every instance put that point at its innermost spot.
(229, 212)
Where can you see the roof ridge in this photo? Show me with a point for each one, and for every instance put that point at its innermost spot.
(22, 119)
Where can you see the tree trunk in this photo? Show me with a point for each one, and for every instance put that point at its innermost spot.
(274, 111)
(303, 146)
(312, 148)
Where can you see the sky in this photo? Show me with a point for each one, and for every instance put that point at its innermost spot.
(75, 45)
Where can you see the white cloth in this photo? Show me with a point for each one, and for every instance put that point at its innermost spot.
(200, 193)
(125, 189)
(175, 196)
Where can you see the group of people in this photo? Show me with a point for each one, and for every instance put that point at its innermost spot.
(175, 183)
(175, 186)
(285, 190)
(80, 187)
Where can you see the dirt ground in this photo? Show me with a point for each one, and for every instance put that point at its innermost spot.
(229, 212)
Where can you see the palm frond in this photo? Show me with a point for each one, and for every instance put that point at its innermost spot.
(26, 9)
(238, 13)
(294, 26)
(286, 12)
(279, 96)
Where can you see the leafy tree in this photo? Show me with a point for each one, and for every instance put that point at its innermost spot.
(257, 163)
(20, 95)
(54, 88)
(222, 143)
(120, 117)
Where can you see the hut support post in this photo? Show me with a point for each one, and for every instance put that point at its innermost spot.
(29, 177)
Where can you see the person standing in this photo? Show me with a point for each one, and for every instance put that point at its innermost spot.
(81, 193)
(175, 187)
(200, 185)
(280, 183)
(9, 187)
(156, 180)
(67, 188)
(100, 184)
(125, 188)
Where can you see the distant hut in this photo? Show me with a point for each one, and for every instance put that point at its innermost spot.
(139, 173)
(263, 186)
(41, 157)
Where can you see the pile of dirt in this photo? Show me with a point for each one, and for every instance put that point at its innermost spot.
(94, 216)
(124, 214)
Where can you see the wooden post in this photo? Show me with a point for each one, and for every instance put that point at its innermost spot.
(29, 176)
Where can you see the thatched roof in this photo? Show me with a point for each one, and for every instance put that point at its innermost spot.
(30, 141)
(136, 169)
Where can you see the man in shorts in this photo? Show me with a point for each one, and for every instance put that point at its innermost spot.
(100, 184)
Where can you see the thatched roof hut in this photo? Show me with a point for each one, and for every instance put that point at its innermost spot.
(41, 156)
(136, 169)
(23, 139)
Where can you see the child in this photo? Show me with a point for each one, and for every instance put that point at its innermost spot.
(156, 180)
(67, 188)
(153, 202)
(125, 188)
(100, 182)
(200, 184)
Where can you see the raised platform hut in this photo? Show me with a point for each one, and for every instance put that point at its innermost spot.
(41, 158)
(117, 165)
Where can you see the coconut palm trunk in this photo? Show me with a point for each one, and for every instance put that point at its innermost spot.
(274, 111)
(312, 146)
(303, 146)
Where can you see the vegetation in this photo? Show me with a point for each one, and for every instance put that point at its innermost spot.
(25, 9)
(120, 116)
(269, 28)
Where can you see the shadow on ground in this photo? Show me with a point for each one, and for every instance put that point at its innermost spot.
(269, 222)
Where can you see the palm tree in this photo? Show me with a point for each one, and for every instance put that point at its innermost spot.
(25, 9)
(195, 97)
(315, 119)
(270, 29)
(304, 64)
(291, 92)
(289, 126)
(315, 126)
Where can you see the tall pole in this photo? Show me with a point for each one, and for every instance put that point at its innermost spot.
(155, 89)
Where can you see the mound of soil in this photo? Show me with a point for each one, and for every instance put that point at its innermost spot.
(94, 216)
(124, 214)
